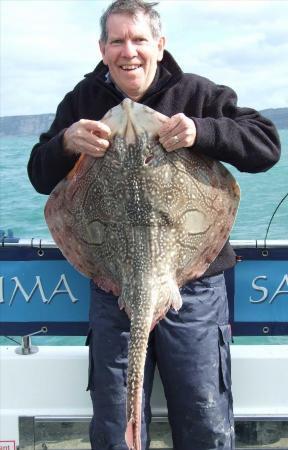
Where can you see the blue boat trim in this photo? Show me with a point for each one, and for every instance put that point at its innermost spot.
(54, 328)
(37, 282)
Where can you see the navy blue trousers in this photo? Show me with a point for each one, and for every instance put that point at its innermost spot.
(191, 350)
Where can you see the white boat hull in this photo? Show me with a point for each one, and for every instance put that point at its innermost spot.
(52, 383)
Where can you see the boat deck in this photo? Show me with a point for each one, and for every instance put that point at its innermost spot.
(72, 435)
(50, 418)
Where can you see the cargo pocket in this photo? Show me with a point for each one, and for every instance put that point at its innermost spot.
(89, 342)
(224, 356)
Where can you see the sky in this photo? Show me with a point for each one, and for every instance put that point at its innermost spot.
(48, 46)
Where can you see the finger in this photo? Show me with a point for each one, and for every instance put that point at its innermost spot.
(98, 142)
(98, 152)
(97, 127)
(93, 151)
(174, 144)
(178, 129)
(88, 143)
(169, 138)
(169, 126)
(184, 139)
(88, 137)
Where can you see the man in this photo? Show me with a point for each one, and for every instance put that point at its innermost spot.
(191, 347)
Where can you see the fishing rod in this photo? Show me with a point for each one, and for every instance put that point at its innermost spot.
(272, 217)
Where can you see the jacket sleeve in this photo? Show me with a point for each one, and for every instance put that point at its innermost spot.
(239, 136)
(49, 163)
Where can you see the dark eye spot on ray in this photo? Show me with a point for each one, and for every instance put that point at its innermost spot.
(149, 159)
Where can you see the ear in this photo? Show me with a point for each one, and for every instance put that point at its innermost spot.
(161, 46)
(102, 50)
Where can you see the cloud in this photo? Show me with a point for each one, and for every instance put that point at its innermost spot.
(238, 43)
(47, 47)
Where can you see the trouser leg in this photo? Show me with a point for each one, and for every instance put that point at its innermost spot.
(108, 348)
(193, 357)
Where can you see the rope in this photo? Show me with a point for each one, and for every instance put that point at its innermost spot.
(272, 217)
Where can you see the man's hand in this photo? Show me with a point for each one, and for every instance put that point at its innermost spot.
(178, 132)
(87, 136)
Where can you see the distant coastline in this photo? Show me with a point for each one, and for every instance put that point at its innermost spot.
(279, 116)
(33, 125)
(29, 125)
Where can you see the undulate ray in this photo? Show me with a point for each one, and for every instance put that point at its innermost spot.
(141, 222)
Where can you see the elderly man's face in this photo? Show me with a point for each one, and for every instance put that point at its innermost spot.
(131, 53)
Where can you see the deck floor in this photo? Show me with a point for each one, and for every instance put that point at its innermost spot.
(252, 435)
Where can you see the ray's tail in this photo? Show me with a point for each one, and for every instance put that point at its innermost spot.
(139, 335)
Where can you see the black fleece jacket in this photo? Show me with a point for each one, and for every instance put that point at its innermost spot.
(239, 136)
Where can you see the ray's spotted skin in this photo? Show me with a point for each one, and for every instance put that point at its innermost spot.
(141, 222)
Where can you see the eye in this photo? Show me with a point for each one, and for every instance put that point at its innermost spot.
(116, 41)
(139, 40)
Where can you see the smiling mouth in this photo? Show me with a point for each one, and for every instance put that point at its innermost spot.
(131, 67)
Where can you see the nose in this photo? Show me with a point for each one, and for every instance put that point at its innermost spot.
(129, 49)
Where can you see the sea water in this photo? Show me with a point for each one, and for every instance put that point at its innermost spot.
(21, 207)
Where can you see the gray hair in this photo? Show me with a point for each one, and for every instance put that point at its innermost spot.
(132, 8)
